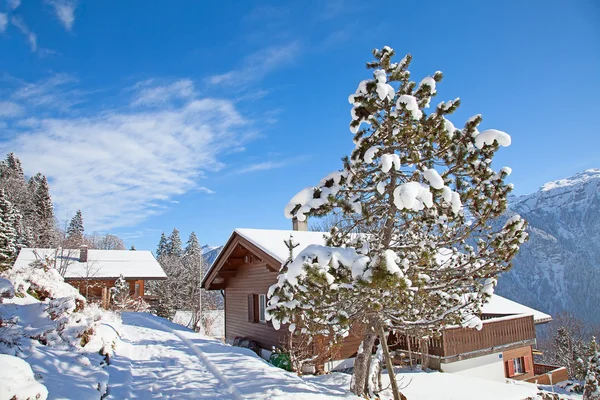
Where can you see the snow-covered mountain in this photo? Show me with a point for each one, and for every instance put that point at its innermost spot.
(558, 269)
(210, 253)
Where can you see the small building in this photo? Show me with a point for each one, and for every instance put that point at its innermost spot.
(94, 272)
(249, 264)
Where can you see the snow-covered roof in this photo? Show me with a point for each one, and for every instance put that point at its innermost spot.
(101, 264)
(272, 241)
(502, 306)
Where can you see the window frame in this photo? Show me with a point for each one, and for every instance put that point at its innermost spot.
(519, 365)
(262, 307)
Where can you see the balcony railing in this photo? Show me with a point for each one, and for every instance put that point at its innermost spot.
(454, 341)
(548, 374)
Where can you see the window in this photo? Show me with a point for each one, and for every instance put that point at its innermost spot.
(137, 290)
(262, 305)
(257, 304)
(518, 365)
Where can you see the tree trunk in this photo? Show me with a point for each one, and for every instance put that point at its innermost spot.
(362, 365)
(409, 351)
(389, 365)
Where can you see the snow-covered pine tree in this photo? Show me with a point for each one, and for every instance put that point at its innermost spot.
(171, 292)
(8, 234)
(75, 230)
(193, 263)
(162, 247)
(567, 345)
(424, 195)
(591, 388)
(45, 234)
(12, 180)
(121, 294)
(174, 244)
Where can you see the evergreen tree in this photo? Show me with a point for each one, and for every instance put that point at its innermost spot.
(163, 246)
(425, 197)
(45, 228)
(174, 244)
(132, 248)
(14, 167)
(120, 293)
(192, 248)
(75, 230)
(8, 235)
(591, 388)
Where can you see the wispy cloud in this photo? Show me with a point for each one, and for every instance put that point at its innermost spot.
(65, 12)
(57, 92)
(263, 166)
(255, 66)
(3, 22)
(31, 37)
(8, 109)
(120, 166)
(206, 190)
(150, 93)
(13, 4)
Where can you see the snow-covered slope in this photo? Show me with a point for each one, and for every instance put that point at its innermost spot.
(559, 268)
(210, 253)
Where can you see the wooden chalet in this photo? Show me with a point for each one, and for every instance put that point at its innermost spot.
(94, 272)
(249, 264)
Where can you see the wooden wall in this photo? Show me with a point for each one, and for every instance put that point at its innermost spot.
(94, 286)
(249, 279)
(252, 279)
(526, 353)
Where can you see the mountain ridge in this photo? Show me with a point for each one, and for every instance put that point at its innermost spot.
(558, 269)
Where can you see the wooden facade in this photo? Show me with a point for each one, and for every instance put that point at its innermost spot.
(93, 289)
(245, 272)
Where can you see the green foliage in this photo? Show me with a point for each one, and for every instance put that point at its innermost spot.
(281, 360)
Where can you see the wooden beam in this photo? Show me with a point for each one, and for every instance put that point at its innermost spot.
(235, 261)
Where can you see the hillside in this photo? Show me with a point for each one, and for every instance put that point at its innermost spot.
(559, 268)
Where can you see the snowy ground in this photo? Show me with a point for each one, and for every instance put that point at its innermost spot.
(157, 358)
(152, 357)
(214, 322)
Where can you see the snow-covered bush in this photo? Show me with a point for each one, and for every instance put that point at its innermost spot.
(17, 381)
(44, 319)
(591, 388)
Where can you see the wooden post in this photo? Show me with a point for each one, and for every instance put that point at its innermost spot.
(105, 298)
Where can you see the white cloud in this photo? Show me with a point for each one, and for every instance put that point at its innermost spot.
(263, 166)
(149, 93)
(57, 92)
(65, 12)
(3, 22)
(31, 37)
(257, 65)
(13, 4)
(120, 167)
(9, 109)
(206, 190)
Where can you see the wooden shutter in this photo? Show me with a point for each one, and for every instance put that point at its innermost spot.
(510, 368)
(528, 364)
(256, 312)
(251, 313)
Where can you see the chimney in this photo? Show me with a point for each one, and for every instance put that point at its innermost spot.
(83, 254)
(299, 225)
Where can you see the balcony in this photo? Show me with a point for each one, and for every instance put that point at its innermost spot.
(548, 374)
(496, 334)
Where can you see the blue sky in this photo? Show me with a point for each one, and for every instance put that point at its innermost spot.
(211, 116)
